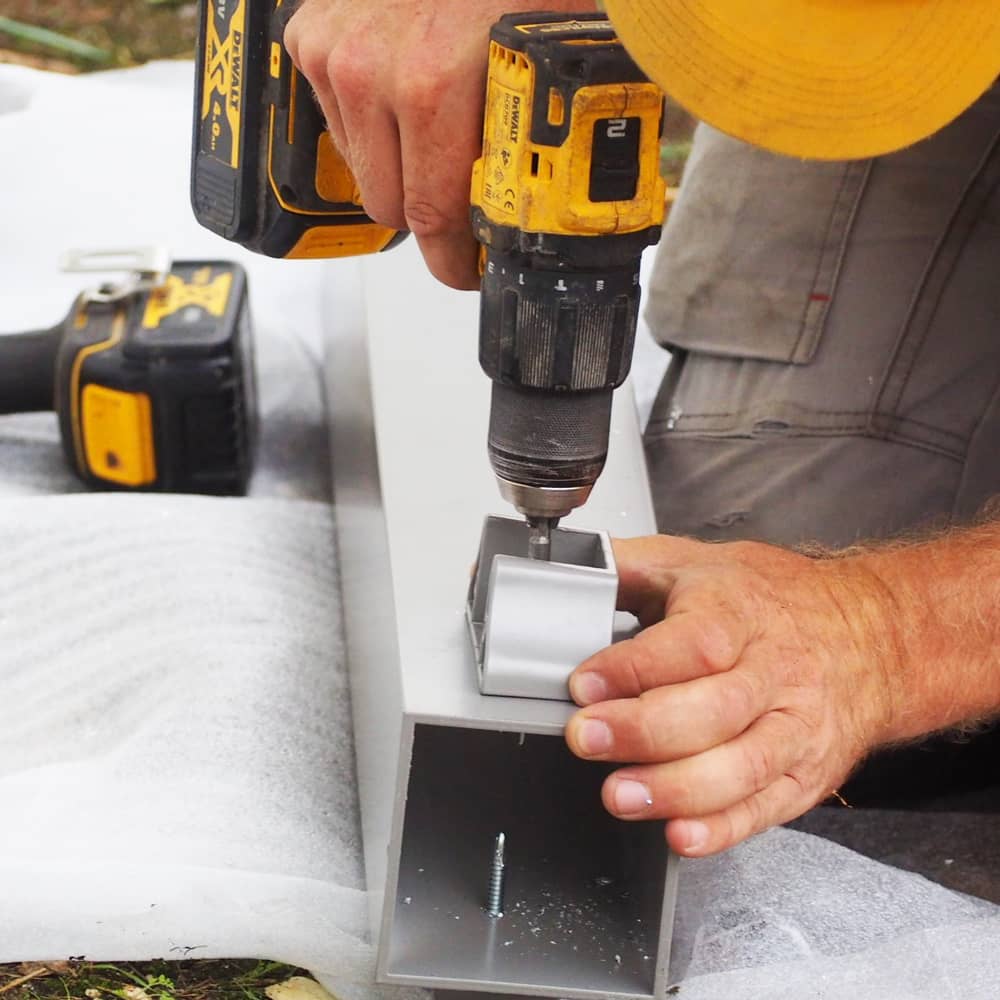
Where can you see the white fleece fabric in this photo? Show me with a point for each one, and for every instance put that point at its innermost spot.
(176, 761)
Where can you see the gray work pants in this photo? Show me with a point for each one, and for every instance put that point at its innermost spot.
(836, 339)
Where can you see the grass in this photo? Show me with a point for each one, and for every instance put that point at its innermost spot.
(79, 35)
(673, 156)
(156, 980)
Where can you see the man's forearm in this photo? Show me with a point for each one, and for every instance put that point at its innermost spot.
(940, 606)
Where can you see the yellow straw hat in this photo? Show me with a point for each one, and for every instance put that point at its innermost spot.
(825, 79)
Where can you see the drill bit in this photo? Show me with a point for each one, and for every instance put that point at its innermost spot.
(540, 537)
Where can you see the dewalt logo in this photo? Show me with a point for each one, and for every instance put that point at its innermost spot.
(222, 89)
(515, 119)
(174, 294)
(236, 71)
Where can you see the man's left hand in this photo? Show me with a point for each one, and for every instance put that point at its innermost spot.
(760, 679)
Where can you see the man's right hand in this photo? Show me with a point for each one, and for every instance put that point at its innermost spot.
(402, 85)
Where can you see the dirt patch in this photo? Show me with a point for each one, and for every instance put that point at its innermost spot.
(121, 32)
(158, 980)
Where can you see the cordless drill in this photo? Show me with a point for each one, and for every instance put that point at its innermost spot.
(152, 380)
(565, 198)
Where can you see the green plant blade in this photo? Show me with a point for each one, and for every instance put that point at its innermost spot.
(52, 40)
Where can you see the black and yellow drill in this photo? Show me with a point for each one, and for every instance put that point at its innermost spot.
(152, 380)
(565, 198)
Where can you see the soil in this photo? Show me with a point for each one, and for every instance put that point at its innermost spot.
(129, 32)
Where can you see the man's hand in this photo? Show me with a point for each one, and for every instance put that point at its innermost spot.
(402, 85)
(760, 679)
(762, 676)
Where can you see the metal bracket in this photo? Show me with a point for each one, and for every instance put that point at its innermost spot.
(146, 268)
(533, 622)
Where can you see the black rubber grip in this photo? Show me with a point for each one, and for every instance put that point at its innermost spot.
(557, 329)
(27, 370)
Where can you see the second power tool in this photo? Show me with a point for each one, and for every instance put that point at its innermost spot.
(152, 378)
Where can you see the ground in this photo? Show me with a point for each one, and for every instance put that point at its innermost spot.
(84, 35)
(115, 32)
(158, 980)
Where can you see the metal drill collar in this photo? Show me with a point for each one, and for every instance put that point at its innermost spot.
(543, 501)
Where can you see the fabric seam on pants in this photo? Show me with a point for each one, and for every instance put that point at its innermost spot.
(884, 419)
(853, 182)
(963, 481)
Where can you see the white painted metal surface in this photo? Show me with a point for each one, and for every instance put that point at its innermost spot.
(412, 484)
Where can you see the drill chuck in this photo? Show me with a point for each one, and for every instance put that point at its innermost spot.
(546, 438)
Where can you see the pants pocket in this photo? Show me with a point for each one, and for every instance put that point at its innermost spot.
(723, 285)
(878, 412)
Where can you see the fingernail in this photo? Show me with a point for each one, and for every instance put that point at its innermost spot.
(595, 737)
(631, 797)
(693, 835)
(588, 688)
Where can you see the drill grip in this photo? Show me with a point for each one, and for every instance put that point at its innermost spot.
(27, 370)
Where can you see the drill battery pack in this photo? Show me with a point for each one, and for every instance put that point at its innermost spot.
(264, 172)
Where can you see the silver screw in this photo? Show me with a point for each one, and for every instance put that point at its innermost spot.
(495, 905)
